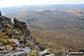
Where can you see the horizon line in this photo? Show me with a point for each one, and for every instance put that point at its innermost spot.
(41, 5)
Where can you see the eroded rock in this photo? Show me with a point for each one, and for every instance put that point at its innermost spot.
(23, 27)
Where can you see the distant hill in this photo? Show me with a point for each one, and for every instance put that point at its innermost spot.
(52, 19)
(37, 7)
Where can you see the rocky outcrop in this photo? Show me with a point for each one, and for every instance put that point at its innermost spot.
(0, 13)
(46, 52)
(23, 27)
(16, 40)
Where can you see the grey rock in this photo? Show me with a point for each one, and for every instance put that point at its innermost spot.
(22, 26)
(20, 52)
(15, 32)
(46, 52)
(15, 40)
(17, 54)
(2, 47)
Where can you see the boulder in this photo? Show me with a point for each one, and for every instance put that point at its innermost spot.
(46, 52)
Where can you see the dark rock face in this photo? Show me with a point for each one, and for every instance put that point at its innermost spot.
(22, 26)
(40, 46)
(0, 13)
(4, 23)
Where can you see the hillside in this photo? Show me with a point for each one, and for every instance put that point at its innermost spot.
(52, 19)
(16, 40)
(60, 40)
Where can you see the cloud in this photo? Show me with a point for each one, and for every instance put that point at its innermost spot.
(8, 3)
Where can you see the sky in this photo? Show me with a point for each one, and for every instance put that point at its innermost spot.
(11, 3)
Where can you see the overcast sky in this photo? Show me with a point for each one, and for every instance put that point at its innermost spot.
(9, 3)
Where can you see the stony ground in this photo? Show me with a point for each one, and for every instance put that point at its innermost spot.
(16, 40)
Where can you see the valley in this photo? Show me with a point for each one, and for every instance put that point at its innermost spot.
(60, 29)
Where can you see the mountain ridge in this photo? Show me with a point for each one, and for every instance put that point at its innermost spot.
(37, 7)
(52, 19)
(16, 40)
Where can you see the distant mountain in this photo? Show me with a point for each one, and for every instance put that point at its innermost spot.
(52, 19)
(37, 7)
